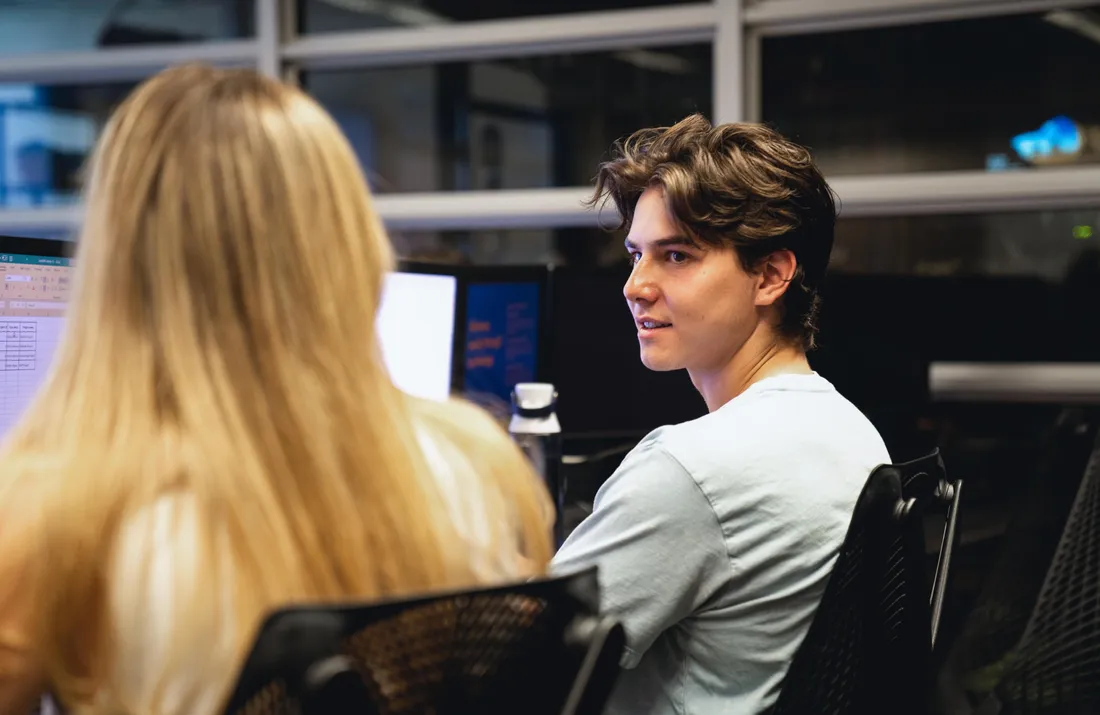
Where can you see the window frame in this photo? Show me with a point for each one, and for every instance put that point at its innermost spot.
(735, 29)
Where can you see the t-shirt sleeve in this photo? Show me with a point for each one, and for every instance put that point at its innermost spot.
(657, 542)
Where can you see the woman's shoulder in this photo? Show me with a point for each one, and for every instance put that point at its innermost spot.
(461, 416)
(491, 492)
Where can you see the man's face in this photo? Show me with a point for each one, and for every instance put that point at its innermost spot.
(694, 306)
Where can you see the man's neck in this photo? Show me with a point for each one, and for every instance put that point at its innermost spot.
(763, 355)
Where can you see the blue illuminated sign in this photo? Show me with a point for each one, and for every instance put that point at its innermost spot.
(1059, 136)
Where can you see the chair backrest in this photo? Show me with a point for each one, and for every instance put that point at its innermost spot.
(925, 481)
(1055, 668)
(1010, 588)
(537, 647)
(869, 647)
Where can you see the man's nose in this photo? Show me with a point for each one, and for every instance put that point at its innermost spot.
(640, 287)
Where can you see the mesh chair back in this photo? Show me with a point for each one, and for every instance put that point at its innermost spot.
(506, 650)
(869, 647)
(1056, 666)
(1010, 590)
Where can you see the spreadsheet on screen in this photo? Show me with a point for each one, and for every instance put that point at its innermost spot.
(416, 328)
(34, 291)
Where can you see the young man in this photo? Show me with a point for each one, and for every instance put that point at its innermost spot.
(715, 538)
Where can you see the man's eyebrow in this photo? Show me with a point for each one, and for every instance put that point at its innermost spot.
(677, 240)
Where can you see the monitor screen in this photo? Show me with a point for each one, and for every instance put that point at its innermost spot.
(502, 337)
(35, 277)
(416, 327)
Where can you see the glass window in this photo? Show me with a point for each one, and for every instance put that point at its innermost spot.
(994, 93)
(581, 247)
(999, 287)
(523, 123)
(1045, 244)
(46, 133)
(344, 15)
(66, 26)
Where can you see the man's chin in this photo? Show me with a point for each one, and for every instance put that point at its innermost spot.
(660, 363)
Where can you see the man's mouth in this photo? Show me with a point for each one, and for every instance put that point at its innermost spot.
(652, 324)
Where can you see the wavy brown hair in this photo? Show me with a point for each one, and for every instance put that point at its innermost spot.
(740, 185)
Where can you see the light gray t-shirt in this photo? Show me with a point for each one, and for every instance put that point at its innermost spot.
(715, 539)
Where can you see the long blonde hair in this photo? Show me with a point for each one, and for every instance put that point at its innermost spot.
(220, 344)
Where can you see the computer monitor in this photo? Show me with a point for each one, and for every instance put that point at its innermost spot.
(416, 327)
(499, 334)
(35, 278)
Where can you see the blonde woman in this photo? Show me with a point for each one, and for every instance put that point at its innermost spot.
(218, 435)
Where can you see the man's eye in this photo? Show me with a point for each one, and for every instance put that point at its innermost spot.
(677, 256)
(634, 257)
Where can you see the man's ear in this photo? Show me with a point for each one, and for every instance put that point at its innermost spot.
(774, 276)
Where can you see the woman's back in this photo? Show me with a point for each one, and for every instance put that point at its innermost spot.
(219, 435)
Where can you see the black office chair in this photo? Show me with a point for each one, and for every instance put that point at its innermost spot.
(1010, 590)
(926, 481)
(869, 648)
(538, 647)
(1055, 668)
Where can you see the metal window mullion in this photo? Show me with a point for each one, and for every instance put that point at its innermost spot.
(269, 39)
(729, 62)
(754, 75)
(887, 195)
(14, 221)
(288, 32)
(798, 17)
(967, 192)
(121, 64)
(579, 32)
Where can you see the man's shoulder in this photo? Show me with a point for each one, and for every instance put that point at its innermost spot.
(718, 434)
(654, 456)
(651, 475)
(768, 431)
